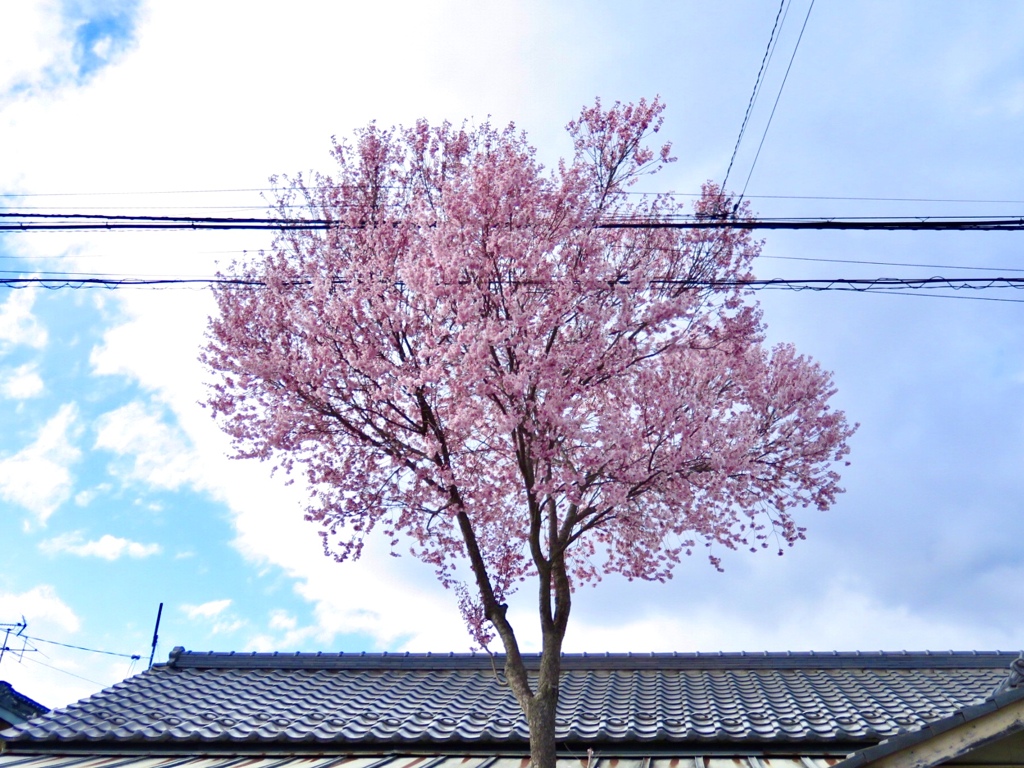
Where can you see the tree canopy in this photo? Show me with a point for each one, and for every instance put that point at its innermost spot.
(467, 360)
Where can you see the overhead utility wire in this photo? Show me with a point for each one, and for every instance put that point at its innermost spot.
(919, 295)
(821, 284)
(248, 252)
(881, 263)
(1002, 223)
(753, 95)
(673, 194)
(774, 106)
(82, 648)
(31, 222)
(58, 669)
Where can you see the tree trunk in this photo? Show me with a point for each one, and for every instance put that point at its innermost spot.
(540, 714)
(539, 701)
(541, 719)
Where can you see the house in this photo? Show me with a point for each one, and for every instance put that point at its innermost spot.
(696, 710)
(985, 734)
(16, 707)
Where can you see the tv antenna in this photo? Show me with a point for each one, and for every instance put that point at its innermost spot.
(19, 631)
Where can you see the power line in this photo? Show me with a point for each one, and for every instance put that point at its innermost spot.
(774, 106)
(137, 193)
(250, 252)
(864, 198)
(58, 669)
(31, 222)
(890, 263)
(920, 224)
(919, 295)
(855, 198)
(134, 656)
(817, 284)
(753, 96)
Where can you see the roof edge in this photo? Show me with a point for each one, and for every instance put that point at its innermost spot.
(182, 659)
(838, 749)
(888, 750)
(23, 704)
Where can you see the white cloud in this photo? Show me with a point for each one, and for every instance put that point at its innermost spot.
(159, 454)
(107, 547)
(102, 48)
(840, 618)
(41, 607)
(206, 610)
(227, 626)
(281, 619)
(86, 497)
(17, 323)
(39, 477)
(158, 344)
(222, 622)
(50, 617)
(22, 383)
(45, 44)
(288, 635)
(30, 37)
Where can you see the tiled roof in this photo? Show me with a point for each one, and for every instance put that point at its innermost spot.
(417, 760)
(329, 702)
(17, 704)
(1007, 697)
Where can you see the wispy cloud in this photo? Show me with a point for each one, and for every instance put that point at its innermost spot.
(280, 619)
(22, 383)
(51, 43)
(216, 611)
(157, 453)
(107, 547)
(27, 35)
(285, 634)
(38, 477)
(101, 31)
(86, 497)
(40, 606)
(18, 326)
(206, 610)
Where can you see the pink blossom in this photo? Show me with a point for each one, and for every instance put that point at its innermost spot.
(466, 362)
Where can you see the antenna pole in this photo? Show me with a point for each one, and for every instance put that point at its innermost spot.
(156, 630)
(21, 626)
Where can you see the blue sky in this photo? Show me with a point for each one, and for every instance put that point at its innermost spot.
(115, 490)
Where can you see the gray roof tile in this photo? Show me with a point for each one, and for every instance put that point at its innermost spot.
(316, 700)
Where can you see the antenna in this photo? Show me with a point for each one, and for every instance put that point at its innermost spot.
(20, 626)
(156, 630)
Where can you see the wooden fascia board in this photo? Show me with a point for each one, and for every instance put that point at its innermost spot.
(956, 741)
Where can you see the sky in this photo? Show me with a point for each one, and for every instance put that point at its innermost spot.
(117, 492)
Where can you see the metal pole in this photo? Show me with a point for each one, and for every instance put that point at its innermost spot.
(156, 630)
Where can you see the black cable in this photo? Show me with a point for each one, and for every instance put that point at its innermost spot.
(753, 95)
(779, 96)
(58, 669)
(81, 648)
(250, 252)
(889, 263)
(30, 222)
(676, 194)
(945, 296)
(815, 284)
(150, 192)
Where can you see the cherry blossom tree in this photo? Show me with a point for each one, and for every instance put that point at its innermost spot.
(466, 359)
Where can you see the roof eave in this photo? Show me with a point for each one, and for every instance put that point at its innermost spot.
(964, 731)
